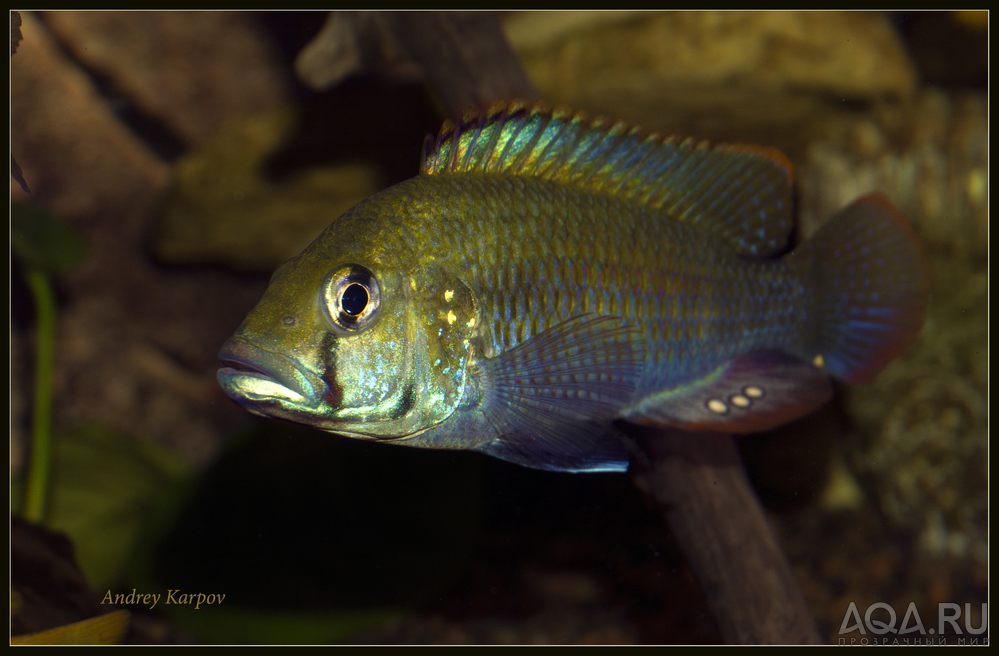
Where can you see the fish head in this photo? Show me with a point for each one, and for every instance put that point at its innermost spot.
(354, 343)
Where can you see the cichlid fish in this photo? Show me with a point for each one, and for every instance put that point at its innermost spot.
(546, 275)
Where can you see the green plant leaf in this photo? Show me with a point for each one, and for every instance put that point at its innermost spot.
(42, 240)
(103, 487)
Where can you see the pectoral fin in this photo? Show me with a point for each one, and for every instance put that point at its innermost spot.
(551, 400)
(573, 446)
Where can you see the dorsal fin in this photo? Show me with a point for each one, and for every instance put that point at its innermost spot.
(742, 192)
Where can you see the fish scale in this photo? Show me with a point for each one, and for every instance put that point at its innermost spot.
(547, 276)
(704, 285)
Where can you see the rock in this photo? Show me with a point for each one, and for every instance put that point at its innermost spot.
(718, 75)
(62, 131)
(224, 209)
(191, 70)
(930, 157)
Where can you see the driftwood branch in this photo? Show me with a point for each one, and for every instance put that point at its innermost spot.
(700, 485)
(697, 479)
(463, 56)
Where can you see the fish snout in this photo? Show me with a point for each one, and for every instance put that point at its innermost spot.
(253, 375)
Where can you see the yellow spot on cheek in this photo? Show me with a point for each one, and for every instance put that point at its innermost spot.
(819, 361)
(714, 405)
(448, 295)
(451, 317)
(471, 323)
(740, 401)
(753, 392)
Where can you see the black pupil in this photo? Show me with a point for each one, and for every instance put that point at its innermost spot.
(354, 299)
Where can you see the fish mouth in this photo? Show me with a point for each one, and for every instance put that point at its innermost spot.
(255, 377)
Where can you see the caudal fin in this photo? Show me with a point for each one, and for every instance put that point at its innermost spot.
(869, 277)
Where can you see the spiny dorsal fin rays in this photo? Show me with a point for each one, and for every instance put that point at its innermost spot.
(742, 192)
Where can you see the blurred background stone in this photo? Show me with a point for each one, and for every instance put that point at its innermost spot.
(223, 207)
(746, 76)
(64, 131)
(191, 70)
(931, 159)
(851, 54)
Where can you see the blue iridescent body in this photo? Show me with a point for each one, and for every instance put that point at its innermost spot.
(547, 275)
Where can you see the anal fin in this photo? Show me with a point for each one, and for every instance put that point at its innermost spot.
(751, 393)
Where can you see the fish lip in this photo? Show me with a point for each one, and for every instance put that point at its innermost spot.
(254, 375)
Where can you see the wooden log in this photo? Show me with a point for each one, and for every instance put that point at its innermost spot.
(464, 55)
(700, 485)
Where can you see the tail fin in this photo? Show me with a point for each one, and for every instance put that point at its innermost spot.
(869, 278)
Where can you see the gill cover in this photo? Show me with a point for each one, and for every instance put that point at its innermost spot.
(439, 324)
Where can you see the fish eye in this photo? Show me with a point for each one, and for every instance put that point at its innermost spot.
(351, 298)
(354, 299)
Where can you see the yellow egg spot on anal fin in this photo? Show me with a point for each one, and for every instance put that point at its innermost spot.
(740, 401)
(714, 405)
(819, 361)
(750, 393)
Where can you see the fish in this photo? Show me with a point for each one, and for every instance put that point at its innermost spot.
(548, 278)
